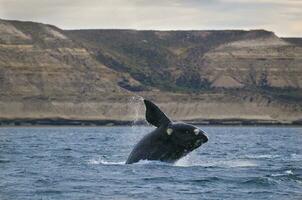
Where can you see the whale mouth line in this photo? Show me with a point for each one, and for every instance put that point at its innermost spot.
(191, 145)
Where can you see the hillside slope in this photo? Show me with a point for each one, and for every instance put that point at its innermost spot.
(202, 76)
(196, 60)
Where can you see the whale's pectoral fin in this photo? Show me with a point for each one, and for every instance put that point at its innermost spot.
(154, 115)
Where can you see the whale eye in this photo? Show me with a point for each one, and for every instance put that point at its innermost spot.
(196, 131)
(169, 131)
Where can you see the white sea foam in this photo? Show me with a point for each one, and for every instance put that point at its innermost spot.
(287, 172)
(188, 161)
(100, 161)
(150, 162)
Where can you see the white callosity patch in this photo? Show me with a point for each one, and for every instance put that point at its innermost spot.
(169, 131)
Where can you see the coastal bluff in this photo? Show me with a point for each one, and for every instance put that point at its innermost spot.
(88, 77)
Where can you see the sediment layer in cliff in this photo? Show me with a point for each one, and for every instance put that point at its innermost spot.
(90, 75)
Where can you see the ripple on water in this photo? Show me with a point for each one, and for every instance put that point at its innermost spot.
(49, 191)
(260, 181)
(296, 157)
(217, 163)
(261, 156)
(4, 161)
(89, 163)
(285, 173)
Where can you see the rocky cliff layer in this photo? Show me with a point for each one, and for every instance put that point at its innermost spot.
(51, 74)
(196, 60)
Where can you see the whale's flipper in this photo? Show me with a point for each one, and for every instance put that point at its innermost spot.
(154, 115)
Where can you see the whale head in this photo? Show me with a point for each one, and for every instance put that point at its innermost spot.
(186, 136)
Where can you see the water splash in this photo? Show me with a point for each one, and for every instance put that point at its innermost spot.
(138, 125)
(187, 161)
(136, 109)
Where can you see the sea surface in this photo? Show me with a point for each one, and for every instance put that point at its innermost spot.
(71, 163)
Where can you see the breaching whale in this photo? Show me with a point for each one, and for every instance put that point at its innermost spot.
(169, 142)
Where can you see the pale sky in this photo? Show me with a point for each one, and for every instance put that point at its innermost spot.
(284, 17)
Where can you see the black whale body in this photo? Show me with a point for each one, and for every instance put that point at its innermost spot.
(169, 142)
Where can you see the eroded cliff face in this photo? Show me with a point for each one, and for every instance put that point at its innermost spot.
(39, 62)
(263, 62)
(49, 73)
(196, 60)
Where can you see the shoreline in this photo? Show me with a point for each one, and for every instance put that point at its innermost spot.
(83, 122)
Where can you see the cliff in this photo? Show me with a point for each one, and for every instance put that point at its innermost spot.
(64, 76)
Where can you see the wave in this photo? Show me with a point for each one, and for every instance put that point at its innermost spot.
(260, 181)
(261, 156)
(296, 157)
(239, 163)
(4, 161)
(191, 162)
(285, 173)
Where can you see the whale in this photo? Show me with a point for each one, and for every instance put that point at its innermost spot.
(169, 142)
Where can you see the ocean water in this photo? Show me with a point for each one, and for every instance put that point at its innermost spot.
(88, 163)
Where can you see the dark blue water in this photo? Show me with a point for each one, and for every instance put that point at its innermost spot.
(87, 163)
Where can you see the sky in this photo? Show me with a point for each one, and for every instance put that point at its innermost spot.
(284, 17)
